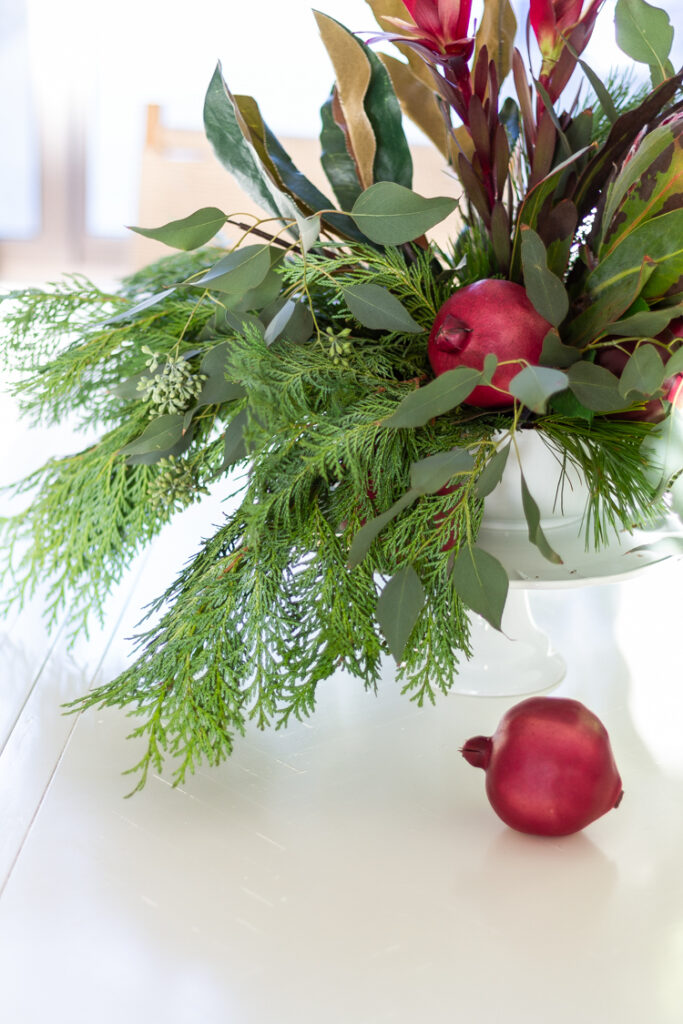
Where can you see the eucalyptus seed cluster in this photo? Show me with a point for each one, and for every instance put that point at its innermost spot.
(175, 487)
(170, 386)
(339, 346)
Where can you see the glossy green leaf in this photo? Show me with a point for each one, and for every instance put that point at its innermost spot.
(492, 473)
(393, 161)
(434, 399)
(390, 214)
(595, 387)
(239, 271)
(533, 521)
(482, 583)
(614, 300)
(546, 292)
(566, 404)
(236, 153)
(190, 232)
(643, 374)
(374, 306)
(336, 160)
(431, 474)
(162, 433)
(399, 607)
(534, 385)
(369, 532)
(645, 34)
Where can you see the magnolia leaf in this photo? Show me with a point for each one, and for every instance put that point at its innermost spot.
(496, 32)
(555, 353)
(546, 292)
(439, 396)
(293, 321)
(353, 73)
(368, 533)
(190, 232)
(138, 307)
(337, 162)
(239, 271)
(492, 473)
(234, 447)
(533, 520)
(643, 374)
(595, 387)
(374, 306)
(418, 102)
(534, 385)
(224, 130)
(431, 474)
(390, 214)
(393, 160)
(645, 34)
(482, 583)
(162, 433)
(398, 608)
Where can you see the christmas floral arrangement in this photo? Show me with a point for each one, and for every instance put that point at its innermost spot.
(356, 389)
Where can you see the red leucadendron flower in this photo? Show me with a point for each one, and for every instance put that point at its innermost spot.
(556, 23)
(439, 26)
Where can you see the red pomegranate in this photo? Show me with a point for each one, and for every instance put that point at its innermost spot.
(549, 767)
(489, 316)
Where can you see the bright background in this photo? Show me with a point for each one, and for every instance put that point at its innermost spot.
(75, 83)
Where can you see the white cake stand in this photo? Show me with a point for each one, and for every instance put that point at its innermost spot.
(519, 659)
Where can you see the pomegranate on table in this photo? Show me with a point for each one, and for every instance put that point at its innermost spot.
(488, 316)
(549, 767)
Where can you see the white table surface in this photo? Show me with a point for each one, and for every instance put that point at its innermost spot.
(348, 870)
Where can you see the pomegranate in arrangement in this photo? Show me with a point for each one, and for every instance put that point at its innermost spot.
(488, 316)
(549, 767)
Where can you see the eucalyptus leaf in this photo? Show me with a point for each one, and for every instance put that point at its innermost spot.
(162, 433)
(238, 272)
(645, 34)
(533, 520)
(595, 387)
(390, 214)
(235, 447)
(534, 385)
(557, 354)
(546, 292)
(369, 532)
(174, 452)
(489, 368)
(138, 307)
(643, 374)
(217, 388)
(492, 473)
(189, 232)
(481, 582)
(293, 321)
(374, 306)
(439, 396)
(675, 363)
(399, 607)
(431, 474)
